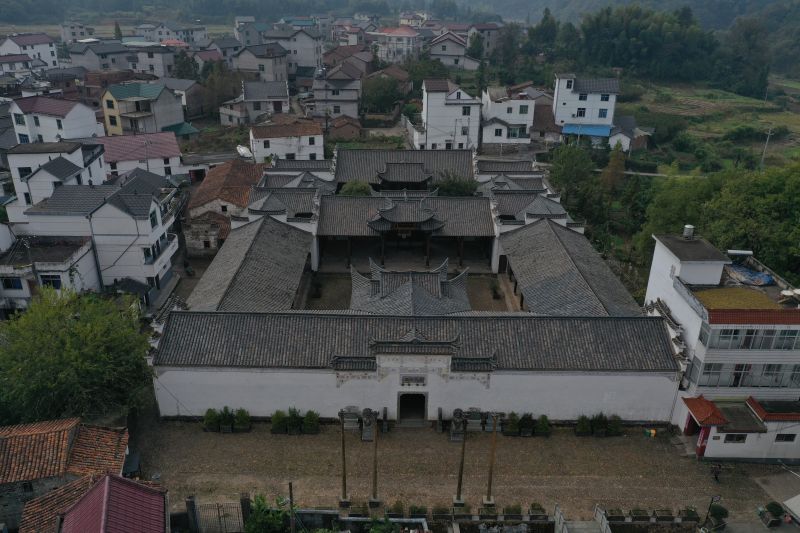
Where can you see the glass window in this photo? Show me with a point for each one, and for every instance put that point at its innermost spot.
(785, 437)
(110, 104)
(266, 144)
(604, 98)
(602, 113)
(498, 132)
(704, 333)
(794, 378)
(581, 112)
(59, 125)
(711, 374)
(19, 119)
(112, 120)
(735, 438)
(465, 111)
(36, 120)
(311, 141)
(509, 110)
(583, 97)
(523, 110)
(12, 283)
(786, 339)
(153, 219)
(51, 280)
(569, 84)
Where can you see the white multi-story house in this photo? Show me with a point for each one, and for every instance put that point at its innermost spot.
(34, 45)
(585, 107)
(75, 31)
(451, 50)
(227, 47)
(489, 32)
(507, 117)
(269, 60)
(303, 46)
(338, 92)
(259, 100)
(128, 223)
(156, 60)
(37, 169)
(157, 153)
(100, 55)
(450, 118)
(396, 45)
(736, 325)
(43, 119)
(188, 33)
(287, 139)
(140, 107)
(20, 65)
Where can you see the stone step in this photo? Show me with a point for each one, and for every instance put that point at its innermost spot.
(584, 527)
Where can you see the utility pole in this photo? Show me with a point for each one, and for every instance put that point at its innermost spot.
(459, 502)
(766, 143)
(291, 509)
(343, 501)
(489, 501)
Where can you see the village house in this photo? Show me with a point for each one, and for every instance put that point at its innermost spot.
(627, 133)
(227, 47)
(203, 57)
(155, 60)
(188, 33)
(42, 456)
(226, 189)
(338, 92)
(192, 95)
(43, 119)
(122, 503)
(158, 153)
(140, 107)
(507, 119)
(736, 328)
(585, 107)
(259, 100)
(34, 45)
(450, 118)
(100, 55)
(451, 50)
(303, 47)
(396, 45)
(344, 128)
(249, 32)
(404, 83)
(268, 61)
(287, 139)
(20, 65)
(75, 31)
(489, 32)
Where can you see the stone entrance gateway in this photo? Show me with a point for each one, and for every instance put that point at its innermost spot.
(412, 408)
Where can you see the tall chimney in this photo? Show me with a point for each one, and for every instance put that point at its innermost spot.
(688, 231)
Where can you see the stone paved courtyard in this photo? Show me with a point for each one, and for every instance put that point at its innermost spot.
(419, 466)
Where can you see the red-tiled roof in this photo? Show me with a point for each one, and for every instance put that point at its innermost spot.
(137, 147)
(14, 58)
(705, 412)
(230, 182)
(765, 416)
(756, 316)
(26, 39)
(56, 107)
(117, 505)
(400, 31)
(57, 447)
(39, 514)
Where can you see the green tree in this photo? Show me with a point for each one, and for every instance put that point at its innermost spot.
(743, 60)
(454, 185)
(117, 31)
(509, 39)
(614, 172)
(356, 188)
(380, 95)
(185, 67)
(264, 519)
(71, 355)
(475, 48)
(221, 84)
(422, 69)
(572, 167)
(542, 37)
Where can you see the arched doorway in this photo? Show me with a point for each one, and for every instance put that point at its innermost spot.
(412, 408)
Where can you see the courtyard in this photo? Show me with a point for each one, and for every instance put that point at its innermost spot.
(420, 466)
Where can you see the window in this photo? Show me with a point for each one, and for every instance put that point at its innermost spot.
(109, 104)
(433, 146)
(113, 166)
(581, 112)
(24, 139)
(12, 283)
(312, 157)
(509, 110)
(785, 437)
(150, 55)
(604, 98)
(448, 146)
(498, 132)
(460, 146)
(36, 120)
(711, 374)
(465, 111)
(311, 141)
(168, 171)
(153, 219)
(786, 339)
(261, 68)
(602, 113)
(24, 172)
(455, 61)
(19, 119)
(464, 130)
(148, 254)
(337, 109)
(523, 110)
(51, 280)
(206, 244)
(224, 208)
(266, 144)
(444, 48)
(40, 138)
(412, 381)
(59, 125)
(334, 92)
(290, 157)
(27, 197)
(735, 438)
(152, 68)
(583, 97)
(257, 106)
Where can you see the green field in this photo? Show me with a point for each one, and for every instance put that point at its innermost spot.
(102, 29)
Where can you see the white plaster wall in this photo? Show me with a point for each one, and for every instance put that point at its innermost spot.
(444, 121)
(623, 140)
(560, 396)
(154, 165)
(275, 69)
(280, 146)
(756, 445)
(79, 122)
(566, 103)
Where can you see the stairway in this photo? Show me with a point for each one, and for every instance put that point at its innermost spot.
(584, 527)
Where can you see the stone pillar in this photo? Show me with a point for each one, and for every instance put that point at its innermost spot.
(315, 254)
(495, 260)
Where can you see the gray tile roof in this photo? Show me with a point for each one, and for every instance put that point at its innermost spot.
(226, 42)
(299, 164)
(365, 165)
(694, 249)
(409, 293)
(284, 201)
(73, 200)
(176, 84)
(455, 217)
(266, 50)
(504, 183)
(489, 166)
(560, 274)
(404, 173)
(266, 90)
(59, 167)
(257, 269)
(521, 203)
(600, 85)
(513, 341)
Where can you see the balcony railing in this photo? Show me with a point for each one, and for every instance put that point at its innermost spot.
(164, 246)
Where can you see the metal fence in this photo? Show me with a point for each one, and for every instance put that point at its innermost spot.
(220, 518)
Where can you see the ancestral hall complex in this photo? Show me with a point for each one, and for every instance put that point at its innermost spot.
(415, 337)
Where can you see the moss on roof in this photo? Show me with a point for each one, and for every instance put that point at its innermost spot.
(735, 298)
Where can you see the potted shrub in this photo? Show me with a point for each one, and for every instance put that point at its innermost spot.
(211, 420)
(772, 515)
(417, 511)
(512, 512)
(689, 514)
(615, 515)
(537, 512)
(241, 420)
(279, 423)
(664, 515)
(487, 513)
(526, 425)
(441, 513)
(614, 427)
(462, 513)
(294, 422)
(717, 514)
(639, 515)
(311, 423)
(226, 420)
(599, 425)
(583, 428)
(542, 426)
(511, 425)
(395, 511)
